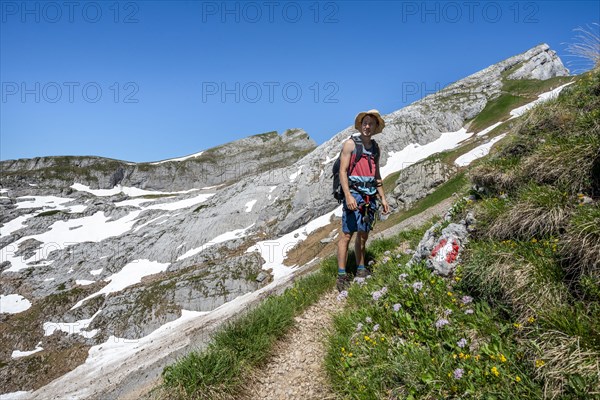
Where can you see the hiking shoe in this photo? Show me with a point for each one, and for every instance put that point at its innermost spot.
(343, 283)
(362, 273)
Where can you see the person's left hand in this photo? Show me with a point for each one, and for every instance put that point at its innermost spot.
(386, 206)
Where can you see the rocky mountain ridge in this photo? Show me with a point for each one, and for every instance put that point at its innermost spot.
(219, 165)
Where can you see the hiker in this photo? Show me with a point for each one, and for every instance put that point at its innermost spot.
(361, 183)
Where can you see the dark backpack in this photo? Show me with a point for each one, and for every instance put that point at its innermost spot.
(338, 193)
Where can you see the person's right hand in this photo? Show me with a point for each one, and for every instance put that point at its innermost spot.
(351, 203)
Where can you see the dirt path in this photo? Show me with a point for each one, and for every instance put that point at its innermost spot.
(296, 371)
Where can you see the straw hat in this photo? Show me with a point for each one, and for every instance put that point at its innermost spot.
(374, 113)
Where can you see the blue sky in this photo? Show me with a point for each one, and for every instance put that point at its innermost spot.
(151, 80)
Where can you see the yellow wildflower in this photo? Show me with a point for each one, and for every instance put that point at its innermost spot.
(349, 354)
(477, 357)
(539, 363)
(502, 358)
(450, 294)
(531, 320)
(517, 378)
(367, 338)
(534, 240)
(517, 325)
(495, 371)
(493, 357)
(454, 356)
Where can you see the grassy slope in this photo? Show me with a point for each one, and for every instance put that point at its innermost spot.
(532, 268)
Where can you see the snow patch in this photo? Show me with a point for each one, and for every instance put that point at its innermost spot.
(13, 304)
(41, 201)
(477, 152)
(129, 275)
(76, 327)
(398, 160)
(235, 234)
(181, 204)
(83, 282)
(250, 204)
(489, 128)
(19, 354)
(296, 174)
(179, 158)
(96, 271)
(130, 191)
(275, 251)
(14, 225)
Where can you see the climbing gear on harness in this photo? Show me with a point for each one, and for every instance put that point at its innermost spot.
(338, 193)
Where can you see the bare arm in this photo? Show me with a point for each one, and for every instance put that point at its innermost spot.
(344, 165)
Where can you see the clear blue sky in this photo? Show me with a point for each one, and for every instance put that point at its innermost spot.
(150, 80)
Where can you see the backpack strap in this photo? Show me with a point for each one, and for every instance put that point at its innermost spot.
(375, 151)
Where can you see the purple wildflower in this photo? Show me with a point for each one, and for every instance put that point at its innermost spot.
(376, 328)
(441, 322)
(377, 295)
(462, 343)
(403, 276)
(447, 312)
(368, 320)
(384, 290)
(387, 253)
(467, 299)
(343, 294)
(417, 286)
(360, 281)
(359, 327)
(397, 307)
(458, 373)
(468, 311)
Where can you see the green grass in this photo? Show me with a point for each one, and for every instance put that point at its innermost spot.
(221, 369)
(497, 110)
(515, 93)
(536, 249)
(379, 351)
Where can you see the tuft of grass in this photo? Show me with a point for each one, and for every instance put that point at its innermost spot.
(581, 242)
(538, 211)
(221, 369)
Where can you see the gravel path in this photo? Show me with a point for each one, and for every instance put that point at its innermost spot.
(296, 371)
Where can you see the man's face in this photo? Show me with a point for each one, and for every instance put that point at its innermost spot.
(369, 125)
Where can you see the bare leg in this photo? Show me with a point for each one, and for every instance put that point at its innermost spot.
(359, 247)
(343, 249)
